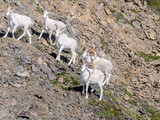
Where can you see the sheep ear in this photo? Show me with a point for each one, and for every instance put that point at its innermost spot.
(56, 26)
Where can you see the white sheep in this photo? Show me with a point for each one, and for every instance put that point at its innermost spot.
(100, 63)
(93, 76)
(65, 42)
(51, 25)
(15, 20)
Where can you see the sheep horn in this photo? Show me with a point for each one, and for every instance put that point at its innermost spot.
(41, 7)
(83, 61)
(91, 64)
(94, 52)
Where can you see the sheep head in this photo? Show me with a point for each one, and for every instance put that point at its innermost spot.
(9, 11)
(59, 31)
(89, 53)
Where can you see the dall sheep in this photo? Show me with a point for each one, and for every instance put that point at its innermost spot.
(65, 42)
(16, 20)
(100, 63)
(51, 25)
(93, 76)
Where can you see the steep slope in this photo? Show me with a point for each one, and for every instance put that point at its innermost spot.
(123, 32)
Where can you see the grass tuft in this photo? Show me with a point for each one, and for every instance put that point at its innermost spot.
(148, 57)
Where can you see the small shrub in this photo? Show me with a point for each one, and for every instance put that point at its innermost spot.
(134, 10)
(19, 32)
(39, 47)
(105, 110)
(113, 11)
(114, 6)
(148, 57)
(102, 40)
(154, 3)
(126, 32)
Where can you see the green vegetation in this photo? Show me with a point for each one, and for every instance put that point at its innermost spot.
(102, 40)
(114, 6)
(113, 11)
(131, 113)
(39, 47)
(134, 10)
(19, 32)
(154, 3)
(155, 116)
(126, 32)
(68, 80)
(105, 109)
(148, 57)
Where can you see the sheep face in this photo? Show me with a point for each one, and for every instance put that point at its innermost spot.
(85, 55)
(59, 31)
(9, 11)
(45, 14)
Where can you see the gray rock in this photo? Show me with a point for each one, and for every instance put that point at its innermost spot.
(3, 113)
(51, 76)
(45, 85)
(136, 24)
(45, 69)
(53, 68)
(35, 68)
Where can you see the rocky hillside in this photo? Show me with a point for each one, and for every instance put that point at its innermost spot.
(34, 86)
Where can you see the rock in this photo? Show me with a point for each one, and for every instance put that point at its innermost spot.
(35, 68)
(51, 76)
(23, 74)
(45, 69)
(126, 97)
(10, 102)
(53, 67)
(136, 24)
(24, 115)
(45, 85)
(150, 34)
(4, 113)
(61, 80)
(39, 61)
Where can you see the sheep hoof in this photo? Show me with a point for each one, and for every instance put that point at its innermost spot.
(57, 58)
(4, 36)
(92, 90)
(100, 99)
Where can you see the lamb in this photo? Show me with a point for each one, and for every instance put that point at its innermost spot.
(16, 20)
(93, 76)
(100, 63)
(51, 25)
(65, 42)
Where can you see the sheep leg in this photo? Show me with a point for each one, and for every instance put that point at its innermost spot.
(50, 35)
(100, 98)
(14, 29)
(25, 29)
(7, 32)
(41, 34)
(83, 88)
(73, 57)
(29, 34)
(59, 52)
(87, 85)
